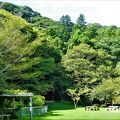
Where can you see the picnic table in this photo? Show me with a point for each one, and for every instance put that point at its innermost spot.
(113, 108)
(91, 108)
(5, 116)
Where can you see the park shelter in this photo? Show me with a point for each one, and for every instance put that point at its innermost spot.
(13, 96)
(30, 110)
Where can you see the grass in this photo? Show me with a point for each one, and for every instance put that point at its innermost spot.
(66, 111)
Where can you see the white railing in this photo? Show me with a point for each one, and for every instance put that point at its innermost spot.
(38, 110)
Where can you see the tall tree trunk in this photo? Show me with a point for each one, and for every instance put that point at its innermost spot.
(74, 104)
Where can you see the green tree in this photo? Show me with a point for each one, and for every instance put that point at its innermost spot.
(75, 94)
(110, 45)
(108, 91)
(19, 61)
(67, 27)
(24, 11)
(86, 35)
(81, 20)
(87, 66)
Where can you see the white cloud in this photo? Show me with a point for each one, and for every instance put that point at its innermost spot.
(103, 12)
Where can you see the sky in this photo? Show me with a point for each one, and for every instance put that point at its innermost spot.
(105, 12)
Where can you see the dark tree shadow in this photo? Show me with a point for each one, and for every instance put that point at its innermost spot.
(54, 107)
(60, 106)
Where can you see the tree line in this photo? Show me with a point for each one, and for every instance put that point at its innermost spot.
(59, 58)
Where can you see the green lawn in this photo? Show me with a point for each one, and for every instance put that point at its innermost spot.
(66, 111)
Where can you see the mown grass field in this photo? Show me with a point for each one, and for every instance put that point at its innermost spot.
(66, 111)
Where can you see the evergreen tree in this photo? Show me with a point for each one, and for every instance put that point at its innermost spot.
(67, 27)
(81, 20)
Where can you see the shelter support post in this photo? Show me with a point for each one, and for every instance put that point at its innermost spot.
(30, 108)
(14, 103)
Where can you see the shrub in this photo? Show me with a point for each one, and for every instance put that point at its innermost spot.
(103, 106)
(97, 105)
(38, 100)
(19, 104)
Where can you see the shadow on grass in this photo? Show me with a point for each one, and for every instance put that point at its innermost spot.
(60, 106)
(41, 117)
(51, 113)
(53, 107)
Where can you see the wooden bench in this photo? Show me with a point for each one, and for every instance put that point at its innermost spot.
(5, 116)
(91, 108)
(113, 108)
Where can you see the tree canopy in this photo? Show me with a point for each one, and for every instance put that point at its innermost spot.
(53, 58)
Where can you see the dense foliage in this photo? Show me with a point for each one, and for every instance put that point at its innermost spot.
(49, 57)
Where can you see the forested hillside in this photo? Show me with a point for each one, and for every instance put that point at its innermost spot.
(49, 58)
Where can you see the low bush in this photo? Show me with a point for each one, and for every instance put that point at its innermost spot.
(38, 100)
(103, 106)
(98, 105)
